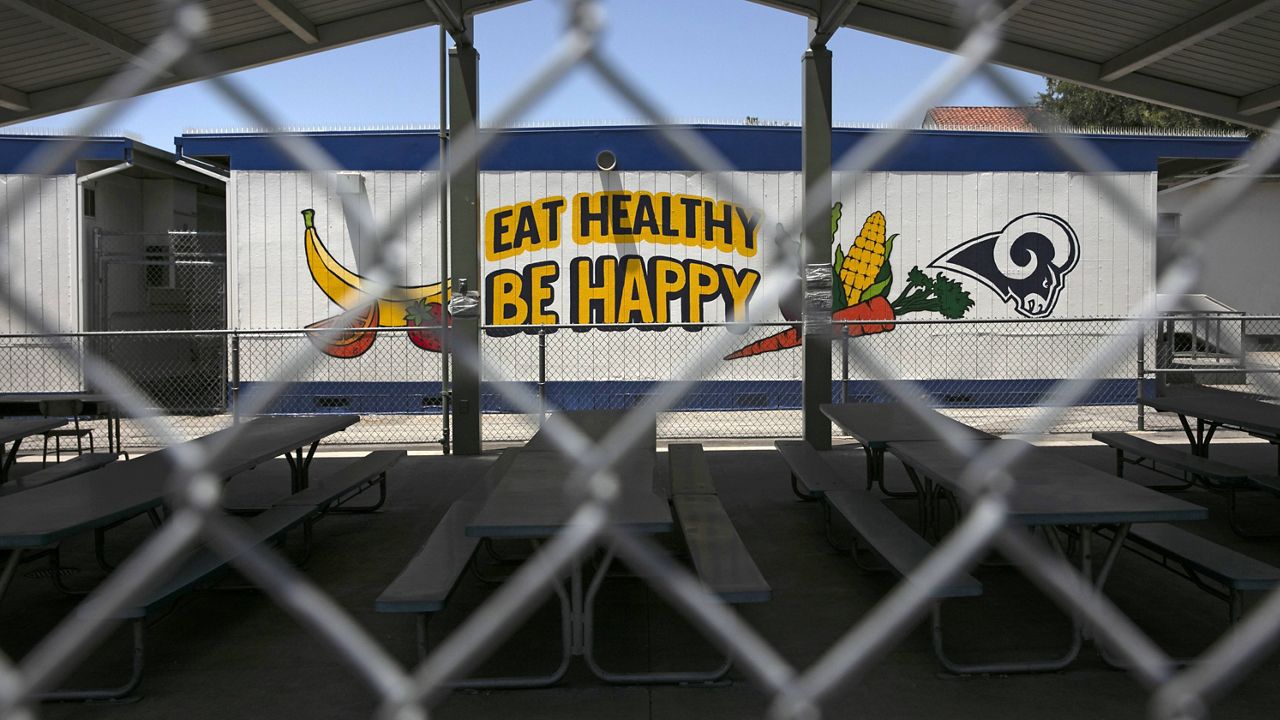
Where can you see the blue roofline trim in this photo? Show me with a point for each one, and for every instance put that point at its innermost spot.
(744, 148)
(18, 152)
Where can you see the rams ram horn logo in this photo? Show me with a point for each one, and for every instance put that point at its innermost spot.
(1025, 263)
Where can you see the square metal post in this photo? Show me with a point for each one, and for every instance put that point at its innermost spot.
(816, 248)
(464, 246)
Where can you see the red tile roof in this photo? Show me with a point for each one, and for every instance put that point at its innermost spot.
(960, 117)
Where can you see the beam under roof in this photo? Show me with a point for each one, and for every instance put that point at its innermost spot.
(76, 23)
(1189, 33)
(11, 99)
(1254, 103)
(283, 12)
(831, 16)
(449, 13)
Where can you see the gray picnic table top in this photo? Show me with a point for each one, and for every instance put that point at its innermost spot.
(532, 500)
(1236, 410)
(42, 516)
(15, 431)
(1051, 489)
(11, 430)
(86, 397)
(875, 425)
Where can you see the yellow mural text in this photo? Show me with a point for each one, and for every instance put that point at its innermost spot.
(629, 290)
(524, 227)
(621, 217)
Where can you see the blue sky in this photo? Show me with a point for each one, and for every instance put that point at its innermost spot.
(703, 59)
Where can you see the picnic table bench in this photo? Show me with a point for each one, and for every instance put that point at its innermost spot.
(523, 497)
(95, 501)
(58, 471)
(203, 566)
(882, 532)
(1050, 491)
(1199, 559)
(1213, 474)
(429, 578)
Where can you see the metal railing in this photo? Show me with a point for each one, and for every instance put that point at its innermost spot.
(794, 691)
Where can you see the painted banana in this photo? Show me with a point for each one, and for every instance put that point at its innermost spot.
(344, 287)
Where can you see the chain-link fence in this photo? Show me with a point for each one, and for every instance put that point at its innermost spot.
(992, 375)
(1062, 373)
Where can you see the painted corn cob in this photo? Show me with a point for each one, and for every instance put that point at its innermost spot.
(865, 257)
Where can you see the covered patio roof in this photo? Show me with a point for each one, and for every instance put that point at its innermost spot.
(55, 54)
(1213, 57)
(1216, 57)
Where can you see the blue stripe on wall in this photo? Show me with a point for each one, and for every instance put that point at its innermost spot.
(399, 398)
(18, 151)
(744, 148)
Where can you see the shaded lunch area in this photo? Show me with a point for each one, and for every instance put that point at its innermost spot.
(803, 543)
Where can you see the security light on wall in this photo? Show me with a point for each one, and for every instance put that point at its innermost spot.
(606, 160)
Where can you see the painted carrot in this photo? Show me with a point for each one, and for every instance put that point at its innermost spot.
(877, 308)
(788, 338)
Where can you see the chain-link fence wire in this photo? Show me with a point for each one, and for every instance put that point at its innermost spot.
(989, 374)
(796, 692)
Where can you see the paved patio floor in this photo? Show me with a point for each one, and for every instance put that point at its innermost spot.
(229, 653)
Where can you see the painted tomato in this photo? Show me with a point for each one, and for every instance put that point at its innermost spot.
(350, 342)
(422, 314)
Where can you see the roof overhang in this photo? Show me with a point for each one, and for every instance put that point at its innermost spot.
(55, 58)
(1209, 57)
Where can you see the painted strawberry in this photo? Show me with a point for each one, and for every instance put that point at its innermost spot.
(424, 314)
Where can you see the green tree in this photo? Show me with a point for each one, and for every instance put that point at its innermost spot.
(1084, 107)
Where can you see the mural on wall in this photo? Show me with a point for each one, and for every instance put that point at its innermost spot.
(862, 280)
(399, 306)
(638, 283)
(1025, 263)
(624, 287)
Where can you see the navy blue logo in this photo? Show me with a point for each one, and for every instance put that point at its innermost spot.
(1025, 263)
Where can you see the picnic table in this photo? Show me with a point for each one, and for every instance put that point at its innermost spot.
(44, 516)
(531, 501)
(95, 405)
(15, 431)
(1050, 491)
(875, 425)
(1211, 411)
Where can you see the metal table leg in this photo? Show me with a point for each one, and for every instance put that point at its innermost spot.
(588, 654)
(9, 457)
(568, 617)
(299, 467)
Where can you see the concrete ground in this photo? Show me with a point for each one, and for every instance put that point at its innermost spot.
(227, 653)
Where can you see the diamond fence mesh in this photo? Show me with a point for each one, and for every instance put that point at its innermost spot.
(992, 375)
(173, 386)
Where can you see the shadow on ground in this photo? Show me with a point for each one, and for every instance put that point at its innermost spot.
(229, 652)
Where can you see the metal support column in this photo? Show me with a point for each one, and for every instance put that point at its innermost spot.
(464, 246)
(816, 249)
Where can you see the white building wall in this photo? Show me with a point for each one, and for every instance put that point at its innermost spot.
(930, 212)
(1241, 250)
(39, 252)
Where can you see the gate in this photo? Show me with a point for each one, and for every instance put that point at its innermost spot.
(165, 281)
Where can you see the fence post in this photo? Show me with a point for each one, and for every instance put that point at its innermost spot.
(235, 378)
(1142, 376)
(542, 376)
(844, 359)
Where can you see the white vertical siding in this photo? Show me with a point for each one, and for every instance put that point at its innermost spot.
(930, 212)
(40, 250)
